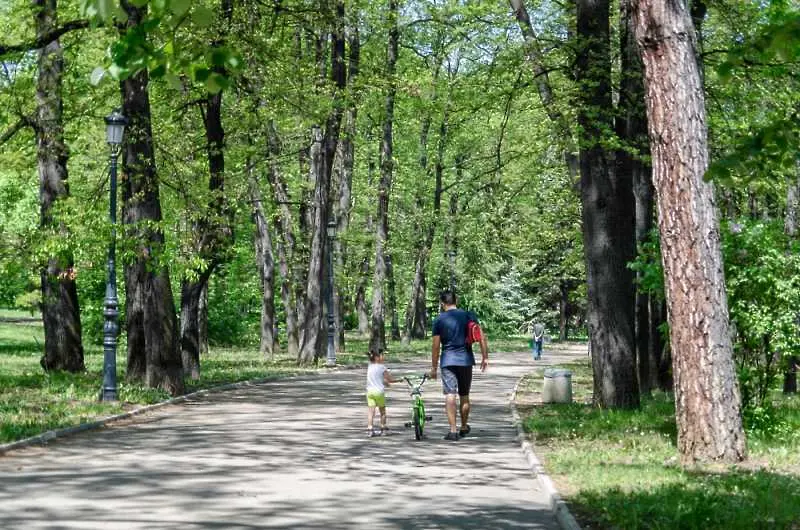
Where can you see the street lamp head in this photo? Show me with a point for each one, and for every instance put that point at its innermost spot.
(331, 228)
(115, 128)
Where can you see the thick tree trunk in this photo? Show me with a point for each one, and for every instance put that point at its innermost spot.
(707, 397)
(265, 261)
(153, 350)
(377, 340)
(608, 220)
(311, 340)
(191, 291)
(63, 347)
(312, 344)
(631, 128)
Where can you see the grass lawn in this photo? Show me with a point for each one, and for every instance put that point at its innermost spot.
(619, 469)
(32, 402)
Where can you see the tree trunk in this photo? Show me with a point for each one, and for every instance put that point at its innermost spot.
(416, 313)
(790, 227)
(214, 230)
(323, 151)
(392, 299)
(266, 268)
(63, 347)
(377, 340)
(361, 298)
(153, 350)
(310, 341)
(202, 321)
(608, 219)
(191, 291)
(707, 397)
(343, 171)
(563, 310)
(631, 128)
(285, 243)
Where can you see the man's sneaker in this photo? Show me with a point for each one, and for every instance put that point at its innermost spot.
(452, 436)
(465, 431)
(371, 433)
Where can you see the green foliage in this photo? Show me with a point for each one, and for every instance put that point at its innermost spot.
(763, 281)
(164, 43)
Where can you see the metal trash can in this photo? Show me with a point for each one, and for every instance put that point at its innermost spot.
(557, 386)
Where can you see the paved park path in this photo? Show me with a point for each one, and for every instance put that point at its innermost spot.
(287, 454)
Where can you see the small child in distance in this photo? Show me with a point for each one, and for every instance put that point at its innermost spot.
(378, 377)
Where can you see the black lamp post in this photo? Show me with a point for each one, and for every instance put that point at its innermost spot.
(331, 357)
(115, 128)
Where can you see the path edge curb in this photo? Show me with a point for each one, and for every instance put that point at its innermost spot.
(558, 506)
(45, 437)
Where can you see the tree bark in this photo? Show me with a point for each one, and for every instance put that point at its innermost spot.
(311, 338)
(416, 322)
(312, 345)
(377, 340)
(631, 128)
(202, 321)
(285, 243)
(392, 299)
(153, 350)
(265, 261)
(608, 219)
(343, 194)
(790, 227)
(63, 347)
(361, 298)
(707, 399)
(563, 310)
(213, 231)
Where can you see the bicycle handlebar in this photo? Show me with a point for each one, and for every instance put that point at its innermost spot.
(422, 382)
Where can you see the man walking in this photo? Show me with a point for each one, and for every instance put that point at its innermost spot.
(538, 339)
(450, 338)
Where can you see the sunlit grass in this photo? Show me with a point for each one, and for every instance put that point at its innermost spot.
(619, 469)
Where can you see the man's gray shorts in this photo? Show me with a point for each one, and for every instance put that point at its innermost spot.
(456, 379)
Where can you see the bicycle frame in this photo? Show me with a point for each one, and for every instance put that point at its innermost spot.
(417, 407)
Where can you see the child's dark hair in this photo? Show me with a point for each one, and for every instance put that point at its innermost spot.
(373, 355)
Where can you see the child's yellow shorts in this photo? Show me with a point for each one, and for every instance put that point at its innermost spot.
(376, 399)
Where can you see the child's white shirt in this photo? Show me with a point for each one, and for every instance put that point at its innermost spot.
(375, 373)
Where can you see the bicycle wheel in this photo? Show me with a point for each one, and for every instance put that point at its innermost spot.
(417, 425)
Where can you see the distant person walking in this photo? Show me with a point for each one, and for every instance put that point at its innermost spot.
(538, 339)
(456, 361)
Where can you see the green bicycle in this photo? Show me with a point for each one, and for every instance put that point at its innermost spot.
(418, 417)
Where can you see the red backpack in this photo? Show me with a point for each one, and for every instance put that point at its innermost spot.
(474, 333)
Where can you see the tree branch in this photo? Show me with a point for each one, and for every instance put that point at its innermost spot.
(14, 129)
(43, 40)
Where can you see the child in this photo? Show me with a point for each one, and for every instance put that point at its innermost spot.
(377, 377)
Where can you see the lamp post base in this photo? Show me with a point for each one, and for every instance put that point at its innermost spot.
(108, 394)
